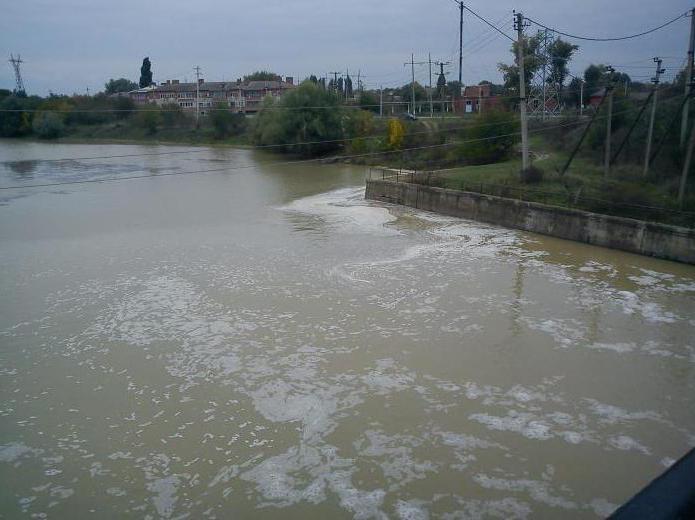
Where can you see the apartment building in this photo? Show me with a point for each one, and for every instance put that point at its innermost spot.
(239, 96)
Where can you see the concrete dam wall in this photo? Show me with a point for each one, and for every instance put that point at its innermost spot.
(635, 236)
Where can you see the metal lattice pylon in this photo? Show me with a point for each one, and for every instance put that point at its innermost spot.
(16, 62)
(544, 95)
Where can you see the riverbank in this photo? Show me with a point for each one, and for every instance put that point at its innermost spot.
(631, 235)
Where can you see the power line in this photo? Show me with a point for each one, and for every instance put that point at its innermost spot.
(588, 38)
(487, 22)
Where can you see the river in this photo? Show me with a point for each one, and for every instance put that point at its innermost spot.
(262, 342)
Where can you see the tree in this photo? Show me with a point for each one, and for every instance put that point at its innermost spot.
(348, 87)
(13, 121)
(453, 89)
(406, 92)
(532, 62)
(262, 75)
(115, 86)
(369, 101)
(300, 119)
(561, 53)
(146, 73)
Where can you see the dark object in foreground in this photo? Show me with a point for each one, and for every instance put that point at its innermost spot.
(670, 496)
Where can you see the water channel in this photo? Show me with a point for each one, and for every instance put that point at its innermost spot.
(257, 340)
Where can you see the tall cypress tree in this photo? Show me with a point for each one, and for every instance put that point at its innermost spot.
(146, 73)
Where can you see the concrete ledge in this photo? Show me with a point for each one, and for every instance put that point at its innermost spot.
(634, 236)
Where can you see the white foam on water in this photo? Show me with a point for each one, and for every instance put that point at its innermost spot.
(165, 497)
(15, 450)
(412, 510)
(536, 489)
(347, 209)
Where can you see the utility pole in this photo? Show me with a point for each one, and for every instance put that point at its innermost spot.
(581, 97)
(545, 70)
(686, 167)
(460, 42)
(429, 56)
(197, 96)
(519, 26)
(656, 79)
(381, 101)
(412, 69)
(609, 123)
(688, 79)
(359, 86)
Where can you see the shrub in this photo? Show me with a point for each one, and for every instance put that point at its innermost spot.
(490, 138)
(172, 116)
(396, 133)
(48, 125)
(148, 119)
(532, 175)
(224, 122)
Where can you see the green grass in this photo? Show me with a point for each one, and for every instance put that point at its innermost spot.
(624, 193)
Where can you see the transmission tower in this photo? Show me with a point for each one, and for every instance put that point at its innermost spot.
(16, 62)
(544, 95)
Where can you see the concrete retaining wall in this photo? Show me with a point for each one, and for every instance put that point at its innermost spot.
(635, 236)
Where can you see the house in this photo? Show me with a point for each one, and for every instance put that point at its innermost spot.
(239, 96)
(477, 98)
(596, 98)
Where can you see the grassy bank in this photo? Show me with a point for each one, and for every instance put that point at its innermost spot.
(624, 193)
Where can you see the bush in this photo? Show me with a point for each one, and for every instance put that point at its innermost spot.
(532, 175)
(172, 116)
(48, 125)
(306, 121)
(224, 122)
(148, 119)
(396, 134)
(490, 138)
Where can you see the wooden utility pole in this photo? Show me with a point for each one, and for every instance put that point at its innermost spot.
(609, 122)
(581, 97)
(519, 26)
(656, 79)
(688, 78)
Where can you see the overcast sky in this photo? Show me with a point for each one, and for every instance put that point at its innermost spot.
(72, 45)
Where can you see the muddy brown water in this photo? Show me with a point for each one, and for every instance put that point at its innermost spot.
(263, 342)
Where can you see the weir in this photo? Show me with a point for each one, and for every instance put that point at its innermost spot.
(626, 234)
